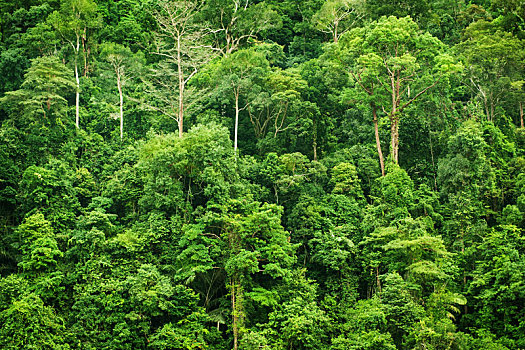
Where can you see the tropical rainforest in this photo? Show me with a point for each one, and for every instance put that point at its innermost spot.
(262, 174)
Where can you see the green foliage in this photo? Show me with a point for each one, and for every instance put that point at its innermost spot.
(42, 98)
(29, 324)
(497, 281)
(49, 189)
(38, 244)
(269, 222)
(494, 58)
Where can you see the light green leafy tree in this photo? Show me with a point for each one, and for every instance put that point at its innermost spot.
(74, 22)
(125, 66)
(43, 93)
(494, 60)
(394, 64)
(238, 76)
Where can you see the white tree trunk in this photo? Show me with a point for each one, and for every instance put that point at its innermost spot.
(181, 87)
(119, 85)
(236, 122)
(77, 95)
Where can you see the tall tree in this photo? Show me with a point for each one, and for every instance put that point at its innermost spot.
(240, 76)
(122, 61)
(233, 22)
(336, 17)
(392, 59)
(73, 22)
(246, 239)
(180, 44)
(43, 93)
(494, 60)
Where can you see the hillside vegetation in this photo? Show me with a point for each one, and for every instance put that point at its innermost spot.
(262, 174)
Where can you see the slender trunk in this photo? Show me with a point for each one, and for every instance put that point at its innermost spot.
(229, 45)
(181, 88)
(237, 309)
(315, 150)
(314, 143)
(521, 115)
(396, 141)
(119, 85)
(236, 91)
(378, 141)
(234, 242)
(77, 94)
(393, 137)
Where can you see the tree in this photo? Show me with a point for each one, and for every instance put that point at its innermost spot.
(392, 59)
(28, 323)
(72, 22)
(43, 93)
(336, 17)
(122, 61)
(279, 109)
(38, 245)
(233, 22)
(494, 60)
(49, 190)
(239, 75)
(497, 285)
(365, 327)
(418, 10)
(246, 239)
(179, 43)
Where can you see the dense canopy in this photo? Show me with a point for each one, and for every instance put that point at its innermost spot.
(262, 174)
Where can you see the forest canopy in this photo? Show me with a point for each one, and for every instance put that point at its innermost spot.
(262, 174)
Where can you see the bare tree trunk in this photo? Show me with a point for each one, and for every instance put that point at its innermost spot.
(396, 140)
(77, 94)
(314, 143)
(181, 88)
(229, 46)
(119, 85)
(392, 138)
(378, 141)
(236, 92)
